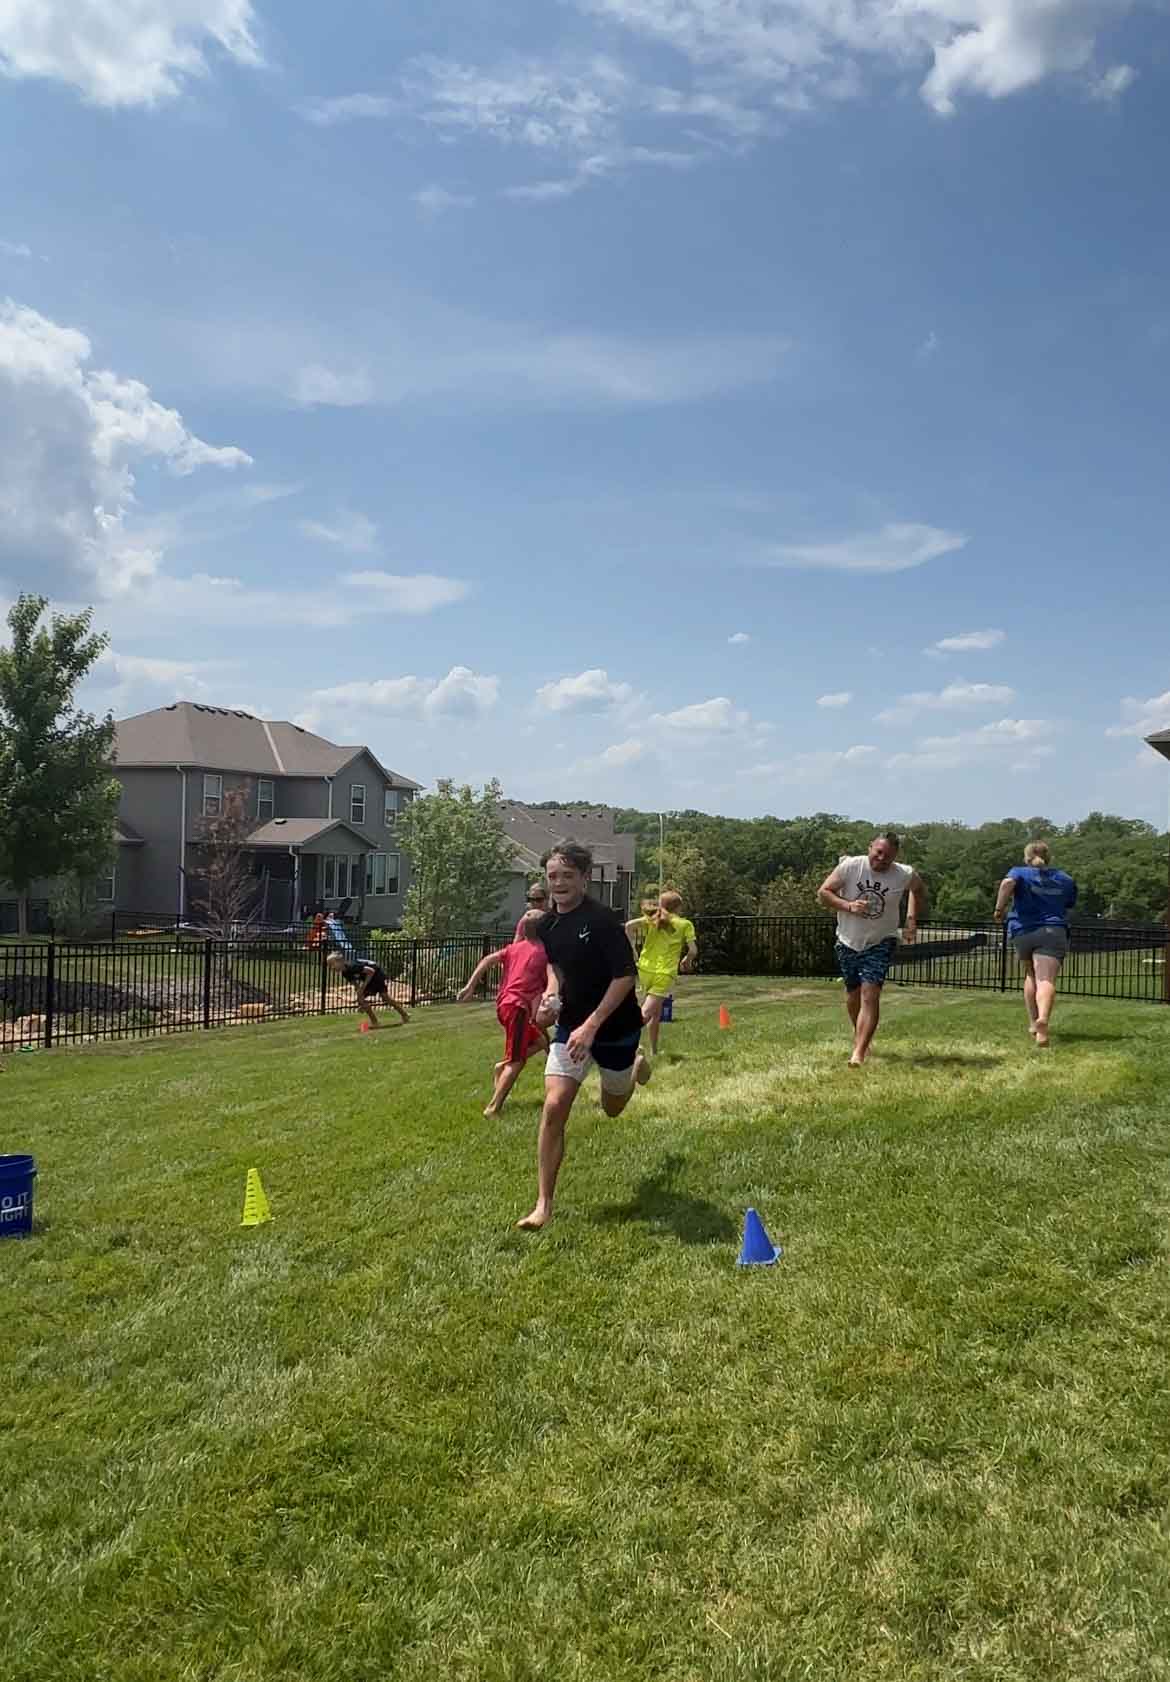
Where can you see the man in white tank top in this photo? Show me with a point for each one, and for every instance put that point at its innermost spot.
(866, 892)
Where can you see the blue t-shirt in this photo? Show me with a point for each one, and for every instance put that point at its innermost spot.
(1043, 898)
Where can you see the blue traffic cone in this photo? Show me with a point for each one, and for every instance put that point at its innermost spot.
(758, 1249)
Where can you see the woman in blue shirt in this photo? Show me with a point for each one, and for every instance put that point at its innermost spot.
(1036, 900)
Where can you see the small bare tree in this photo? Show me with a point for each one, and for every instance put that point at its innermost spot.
(226, 892)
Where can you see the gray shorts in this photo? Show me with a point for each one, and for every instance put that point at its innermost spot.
(1050, 942)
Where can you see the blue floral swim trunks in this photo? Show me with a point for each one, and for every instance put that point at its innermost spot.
(868, 967)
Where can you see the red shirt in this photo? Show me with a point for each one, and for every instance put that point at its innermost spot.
(525, 974)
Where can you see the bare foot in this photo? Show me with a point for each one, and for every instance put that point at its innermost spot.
(492, 1111)
(539, 1217)
(1032, 1029)
(643, 1069)
(856, 1062)
(403, 1016)
(1041, 1033)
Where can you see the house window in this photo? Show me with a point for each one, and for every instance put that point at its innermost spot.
(212, 796)
(105, 888)
(357, 803)
(265, 800)
(341, 875)
(391, 807)
(382, 873)
(329, 877)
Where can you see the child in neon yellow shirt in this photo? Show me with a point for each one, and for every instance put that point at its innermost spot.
(669, 948)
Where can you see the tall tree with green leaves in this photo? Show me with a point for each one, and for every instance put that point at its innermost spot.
(460, 859)
(58, 794)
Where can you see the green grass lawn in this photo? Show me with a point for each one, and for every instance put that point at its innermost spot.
(388, 1437)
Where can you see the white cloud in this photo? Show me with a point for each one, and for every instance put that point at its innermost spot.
(355, 533)
(949, 753)
(463, 693)
(72, 437)
(315, 386)
(8, 249)
(228, 603)
(810, 767)
(894, 548)
(968, 642)
(1113, 83)
(955, 697)
(123, 52)
(435, 200)
(588, 692)
(714, 717)
(928, 347)
(526, 101)
(620, 754)
(800, 52)
(739, 638)
(347, 108)
(1143, 718)
(839, 698)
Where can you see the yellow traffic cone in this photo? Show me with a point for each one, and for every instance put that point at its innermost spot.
(256, 1210)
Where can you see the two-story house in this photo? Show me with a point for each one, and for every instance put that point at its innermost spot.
(532, 830)
(321, 819)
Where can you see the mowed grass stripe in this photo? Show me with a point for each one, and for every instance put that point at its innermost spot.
(386, 1435)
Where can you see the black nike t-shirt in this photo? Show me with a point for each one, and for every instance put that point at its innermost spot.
(590, 949)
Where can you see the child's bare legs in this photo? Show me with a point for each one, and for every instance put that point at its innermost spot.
(652, 1019)
(367, 1010)
(507, 1074)
(559, 1096)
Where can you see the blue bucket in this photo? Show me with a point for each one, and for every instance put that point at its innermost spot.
(668, 1008)
(17, 1174)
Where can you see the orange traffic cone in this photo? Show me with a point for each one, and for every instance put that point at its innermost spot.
(724, 1017)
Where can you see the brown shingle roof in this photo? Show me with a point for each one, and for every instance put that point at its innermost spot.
(221, 739)
(1161, 741)
(535, 829)
(298, 832)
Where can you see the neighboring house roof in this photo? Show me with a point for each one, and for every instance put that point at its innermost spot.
(533, 830)
(284, 833)
(125, 835)
(225, 739)
(1161, 741)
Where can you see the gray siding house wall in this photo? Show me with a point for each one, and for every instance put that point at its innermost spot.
(323, 818)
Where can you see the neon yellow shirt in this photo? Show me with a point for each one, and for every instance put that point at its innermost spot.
(662, 952)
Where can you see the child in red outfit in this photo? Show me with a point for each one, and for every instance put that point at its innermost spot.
(522, 987)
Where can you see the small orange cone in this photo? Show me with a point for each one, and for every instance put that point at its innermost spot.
(724, 1017)
(364, 1028)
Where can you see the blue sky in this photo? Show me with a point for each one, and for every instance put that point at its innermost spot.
(750, 404)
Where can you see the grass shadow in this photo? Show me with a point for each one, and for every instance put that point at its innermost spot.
(944, 1060)
(656, 1203)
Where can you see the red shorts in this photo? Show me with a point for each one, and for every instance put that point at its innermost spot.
(521, 1035)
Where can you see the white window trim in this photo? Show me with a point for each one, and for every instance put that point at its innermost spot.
(354, 790)
(112, 879)
(215, 779)
(263, 783)
(390, 813)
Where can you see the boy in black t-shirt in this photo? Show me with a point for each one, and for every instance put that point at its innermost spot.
(371, 983)
(598, 1022)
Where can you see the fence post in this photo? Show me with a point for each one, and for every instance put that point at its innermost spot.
(1003, 958)
(50, 992)
(113, 926)
(207, 983)
(413, 973)
(321, 956)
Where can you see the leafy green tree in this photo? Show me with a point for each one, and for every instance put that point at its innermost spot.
(460, 859)
(58, 794)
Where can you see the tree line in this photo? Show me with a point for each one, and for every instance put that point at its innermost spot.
(773, 866)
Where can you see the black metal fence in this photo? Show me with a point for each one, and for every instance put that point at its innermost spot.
(1106, 960)
(168, 981)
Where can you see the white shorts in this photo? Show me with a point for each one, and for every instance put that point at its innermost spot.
(617, 1081)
